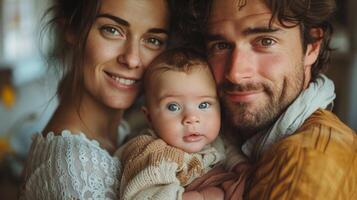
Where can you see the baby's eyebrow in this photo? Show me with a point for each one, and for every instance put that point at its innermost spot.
(165, 96)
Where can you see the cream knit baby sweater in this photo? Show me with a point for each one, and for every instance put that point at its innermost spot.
(154, 170)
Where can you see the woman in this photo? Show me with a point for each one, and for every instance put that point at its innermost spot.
(103, 48)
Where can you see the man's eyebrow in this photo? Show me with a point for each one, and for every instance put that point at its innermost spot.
(248, 31)
(257, 30)
(213, 37)
(114, 18)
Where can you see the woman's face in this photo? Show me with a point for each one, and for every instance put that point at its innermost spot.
(125, 37)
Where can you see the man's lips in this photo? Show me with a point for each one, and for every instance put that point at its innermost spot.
(243, 96)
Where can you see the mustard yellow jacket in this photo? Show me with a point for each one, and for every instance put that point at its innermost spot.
(318, 162)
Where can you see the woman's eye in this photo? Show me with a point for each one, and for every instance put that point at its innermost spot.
(173, 107)
(110, 31)
(204, 105)
(154, 43)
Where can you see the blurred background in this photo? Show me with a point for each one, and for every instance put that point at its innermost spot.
(27, 85)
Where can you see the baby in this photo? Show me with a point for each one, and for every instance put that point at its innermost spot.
(184, 113)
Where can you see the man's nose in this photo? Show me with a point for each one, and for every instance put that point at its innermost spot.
(130, 56)
(241, 66)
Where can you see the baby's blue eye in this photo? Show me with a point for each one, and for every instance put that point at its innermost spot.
(204, 105)
(173, 107)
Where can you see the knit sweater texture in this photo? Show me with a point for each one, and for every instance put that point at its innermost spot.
(152, 169)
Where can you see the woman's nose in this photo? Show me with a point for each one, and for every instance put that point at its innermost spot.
(130, 56)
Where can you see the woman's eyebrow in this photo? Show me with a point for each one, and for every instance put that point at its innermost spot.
(115, 18)
(126, 23)
(158, 30)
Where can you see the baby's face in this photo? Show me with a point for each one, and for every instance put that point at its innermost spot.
(183, 108)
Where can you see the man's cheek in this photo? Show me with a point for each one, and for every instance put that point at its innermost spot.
(218, 72)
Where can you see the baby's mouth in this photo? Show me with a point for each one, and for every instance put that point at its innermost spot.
(193, 137)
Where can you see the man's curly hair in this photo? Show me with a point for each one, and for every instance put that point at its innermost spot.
(192, 16)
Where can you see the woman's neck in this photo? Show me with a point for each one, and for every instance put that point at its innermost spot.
(90, 117)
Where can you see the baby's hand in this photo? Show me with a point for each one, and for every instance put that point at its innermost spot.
(210, 193)
(192, 195)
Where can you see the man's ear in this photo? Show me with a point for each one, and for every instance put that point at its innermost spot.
(145, 110)
(313, 49)
(311, 54)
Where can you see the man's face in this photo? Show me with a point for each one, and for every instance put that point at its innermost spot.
(259, 69)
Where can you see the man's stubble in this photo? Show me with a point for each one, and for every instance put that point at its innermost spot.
(249, 118)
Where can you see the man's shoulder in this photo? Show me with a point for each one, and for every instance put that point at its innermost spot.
(322, 136)
(324, 132)
(322, 151)
(326, 119)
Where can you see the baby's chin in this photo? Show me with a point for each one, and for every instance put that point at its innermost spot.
(195, 148)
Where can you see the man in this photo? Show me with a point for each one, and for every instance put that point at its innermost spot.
(267, 57)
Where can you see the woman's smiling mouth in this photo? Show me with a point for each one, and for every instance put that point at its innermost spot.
(121, 80)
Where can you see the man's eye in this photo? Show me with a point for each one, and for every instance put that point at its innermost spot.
(266, 42)
(219, 47)
(222, 46)
(173, 107)
(204, 105)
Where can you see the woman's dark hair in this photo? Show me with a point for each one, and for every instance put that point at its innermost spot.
(68, 27)
(307, 14)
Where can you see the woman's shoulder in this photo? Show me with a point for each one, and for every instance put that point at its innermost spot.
(69, 148)
(64, 136)
(70, 162)
(67, 143)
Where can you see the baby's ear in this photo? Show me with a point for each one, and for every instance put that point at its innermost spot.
(145, 110)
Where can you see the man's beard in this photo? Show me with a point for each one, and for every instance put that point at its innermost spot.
(247, 118)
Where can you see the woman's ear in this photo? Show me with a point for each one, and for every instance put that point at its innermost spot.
(68, 33)
(70, 38)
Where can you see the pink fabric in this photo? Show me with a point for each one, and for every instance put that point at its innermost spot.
(231, 182)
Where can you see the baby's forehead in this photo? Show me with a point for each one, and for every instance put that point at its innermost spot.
(160, 74)
(196, 80)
